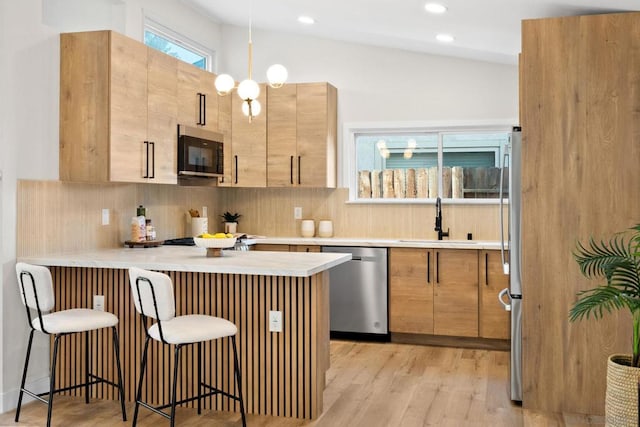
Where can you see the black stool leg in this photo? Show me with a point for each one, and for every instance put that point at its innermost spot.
(199, 378)
(116, 348)
(143, 366)
(24, 375)
(53, 379)
(87, 367)
(238, 379)
(175, 386)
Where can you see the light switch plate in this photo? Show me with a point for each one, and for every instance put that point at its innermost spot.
(98, 302)
(275, 321)
(297, 213)
(105, 216)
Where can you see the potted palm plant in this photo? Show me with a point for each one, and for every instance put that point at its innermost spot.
(618, 262)
(230, 222)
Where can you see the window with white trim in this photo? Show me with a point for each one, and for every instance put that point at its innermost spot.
(456, 163)
(168, 41)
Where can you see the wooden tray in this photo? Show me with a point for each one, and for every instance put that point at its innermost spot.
(144, 244)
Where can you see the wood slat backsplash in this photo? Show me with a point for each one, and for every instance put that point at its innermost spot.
(58, 216)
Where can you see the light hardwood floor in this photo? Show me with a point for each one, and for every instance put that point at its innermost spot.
(368, 385)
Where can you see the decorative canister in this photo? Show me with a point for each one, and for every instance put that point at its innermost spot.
(325, 228)
(307, 228)
(199, 225)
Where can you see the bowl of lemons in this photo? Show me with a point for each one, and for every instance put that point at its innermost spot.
(214, 243)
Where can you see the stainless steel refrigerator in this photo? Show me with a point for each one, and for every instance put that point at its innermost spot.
(511, 297)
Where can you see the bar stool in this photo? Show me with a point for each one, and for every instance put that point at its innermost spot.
(153, 298)
(36, 290)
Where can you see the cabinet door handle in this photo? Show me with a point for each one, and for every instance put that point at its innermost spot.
(437, 267)
(146, 170)
(291, 168)
(486, 268)
(199, 109)
(299, 170)
(153, 159)
(428, 266)
(204, 109)
(235, 158)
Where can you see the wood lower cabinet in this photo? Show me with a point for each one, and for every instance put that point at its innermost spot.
(410, 291)
(304, 248)
(301, 136)
(434, 291)
(118, 110)
(455, 296)
(285, 248)
(494, 321)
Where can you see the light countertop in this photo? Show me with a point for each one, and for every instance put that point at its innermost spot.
(194, 259)
(386, 243)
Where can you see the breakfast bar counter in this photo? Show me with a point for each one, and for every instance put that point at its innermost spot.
(283, 373)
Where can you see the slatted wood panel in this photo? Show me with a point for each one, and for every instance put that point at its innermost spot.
(282, 373)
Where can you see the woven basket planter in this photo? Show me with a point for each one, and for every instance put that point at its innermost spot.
(621, 406)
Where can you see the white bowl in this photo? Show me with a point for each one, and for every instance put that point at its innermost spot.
(214, 243)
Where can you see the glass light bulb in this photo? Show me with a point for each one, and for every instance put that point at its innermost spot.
(381, 144)
(408, 153)
(385, 153)
(255, 107)
(411, 143)
(224, 84)
(277, 74)
(248, 89)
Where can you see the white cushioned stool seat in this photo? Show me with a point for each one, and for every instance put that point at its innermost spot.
(193, 328)
(75, 320)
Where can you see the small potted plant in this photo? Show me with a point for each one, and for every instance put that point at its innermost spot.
(230, 222)
(618, 262)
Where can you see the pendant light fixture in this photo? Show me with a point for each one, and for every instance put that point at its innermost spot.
(248, 90)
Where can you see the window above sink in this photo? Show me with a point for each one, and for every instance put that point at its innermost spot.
(416, 164)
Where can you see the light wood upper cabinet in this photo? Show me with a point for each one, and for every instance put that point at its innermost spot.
(282, 157)
(316, 132)
(410, 291)
(128, 145)
(162, 113)
(118, 110)
(197, 97)
(249, 144)
(301, 135)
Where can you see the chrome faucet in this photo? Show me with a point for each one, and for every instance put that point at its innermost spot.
(438, 226)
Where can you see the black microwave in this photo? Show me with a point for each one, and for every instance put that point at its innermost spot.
(200, 153)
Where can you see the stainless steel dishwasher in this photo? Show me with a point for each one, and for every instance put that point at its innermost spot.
(359, 294)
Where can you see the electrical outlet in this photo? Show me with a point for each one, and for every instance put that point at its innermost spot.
(297, 213)
(98, 302)
(105, 216)
(275, 321)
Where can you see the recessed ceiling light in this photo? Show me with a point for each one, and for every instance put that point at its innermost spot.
(306, 20)
(435, 8)
(444, 38)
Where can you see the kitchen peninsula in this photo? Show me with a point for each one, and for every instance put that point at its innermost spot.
(283, 373)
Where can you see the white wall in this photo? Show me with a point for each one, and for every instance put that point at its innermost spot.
(380, 84)
(374, 84)
(29, 88)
